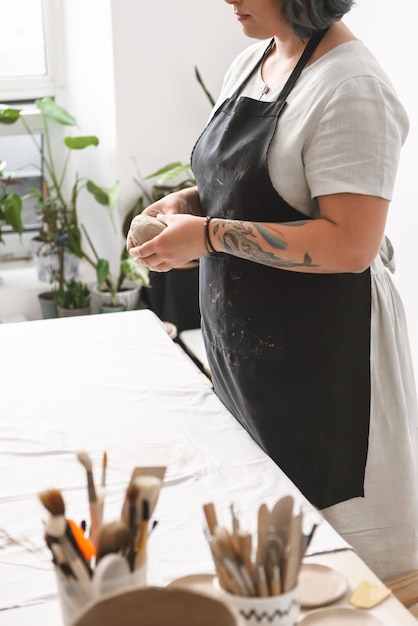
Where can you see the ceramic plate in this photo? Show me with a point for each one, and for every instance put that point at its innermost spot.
(340, 616)
(320, 585)
(201, 583)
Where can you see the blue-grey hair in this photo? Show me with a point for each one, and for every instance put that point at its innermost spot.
(307, 16)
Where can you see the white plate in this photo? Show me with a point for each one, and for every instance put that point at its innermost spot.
(201, 583)
(340, 616)
(320, 585)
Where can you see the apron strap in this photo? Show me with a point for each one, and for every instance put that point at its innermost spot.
(312, 45)
(290, 83)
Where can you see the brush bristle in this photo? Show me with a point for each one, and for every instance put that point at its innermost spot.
(85, 460)
(113, 537)
(53, 501)
(149, 488)
(132, 493)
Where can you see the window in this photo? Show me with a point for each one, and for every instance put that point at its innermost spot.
(29, 66)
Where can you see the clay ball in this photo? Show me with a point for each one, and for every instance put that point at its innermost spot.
(145, 227)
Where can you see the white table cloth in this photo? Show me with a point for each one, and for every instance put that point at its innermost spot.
(118, 383)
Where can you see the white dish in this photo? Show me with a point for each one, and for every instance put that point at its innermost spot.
(320, 585)
(340, 616)
(201, 583)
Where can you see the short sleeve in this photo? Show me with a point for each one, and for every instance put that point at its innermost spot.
(356, 145)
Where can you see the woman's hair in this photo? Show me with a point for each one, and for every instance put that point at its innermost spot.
(306, 16)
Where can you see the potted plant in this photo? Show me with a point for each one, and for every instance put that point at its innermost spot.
(57, 247)
(73, 298)
(10, 204)
(119, 290)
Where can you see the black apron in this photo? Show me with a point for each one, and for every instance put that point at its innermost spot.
(289, 352)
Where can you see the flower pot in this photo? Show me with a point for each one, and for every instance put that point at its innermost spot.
(129, 297)
(112, 308)
(48, 305)
(45, 260)
(62, 312)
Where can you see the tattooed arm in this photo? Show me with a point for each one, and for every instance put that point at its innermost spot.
(345, 238)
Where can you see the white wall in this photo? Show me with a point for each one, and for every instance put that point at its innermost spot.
(131, 79)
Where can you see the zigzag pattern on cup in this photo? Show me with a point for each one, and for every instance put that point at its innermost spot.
(269, 617)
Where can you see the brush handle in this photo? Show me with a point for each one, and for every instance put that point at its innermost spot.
(90, 487)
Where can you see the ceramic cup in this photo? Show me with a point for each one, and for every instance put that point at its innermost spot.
(75, 596)
(282, 610)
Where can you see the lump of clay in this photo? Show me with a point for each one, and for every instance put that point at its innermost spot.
(145, 227)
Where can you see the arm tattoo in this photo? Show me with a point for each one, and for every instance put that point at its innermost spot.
(238, 239)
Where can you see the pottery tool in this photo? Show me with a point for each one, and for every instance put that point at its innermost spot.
(210, 515)
(223, 546)
(281, 515)
(85, 461)
(262, 586)
(263, 520)
(227, 580)
(306, 540)
(113, 537)
(58, 530)
(245, 550)
(292, 557)
(273, 561)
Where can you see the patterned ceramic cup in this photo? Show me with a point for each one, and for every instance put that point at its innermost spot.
(281, 610)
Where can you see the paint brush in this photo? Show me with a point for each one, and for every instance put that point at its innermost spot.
(59, 531)
(129, 517)
(143, 531)
(210, 516)
(149, 489)
(104, 470)
(85, 461)
(113, 537)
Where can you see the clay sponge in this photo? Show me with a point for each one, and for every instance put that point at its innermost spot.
(144, 227)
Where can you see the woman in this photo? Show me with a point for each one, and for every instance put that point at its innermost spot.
(304, 331)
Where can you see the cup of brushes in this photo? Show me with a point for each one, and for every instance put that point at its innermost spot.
(259, 579)
(107, 557)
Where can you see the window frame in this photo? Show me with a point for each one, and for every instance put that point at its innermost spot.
(26, 89)
(22, 88)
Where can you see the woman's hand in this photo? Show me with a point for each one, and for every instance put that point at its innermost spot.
(182, 241)
(185, 202)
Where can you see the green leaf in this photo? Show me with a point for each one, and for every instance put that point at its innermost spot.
(56, 112)
(113, 198)
(136, 273)
(102, 271)
(78, 143)
(169, 171)
(13, 211)
(100, 193)
(9, 116)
